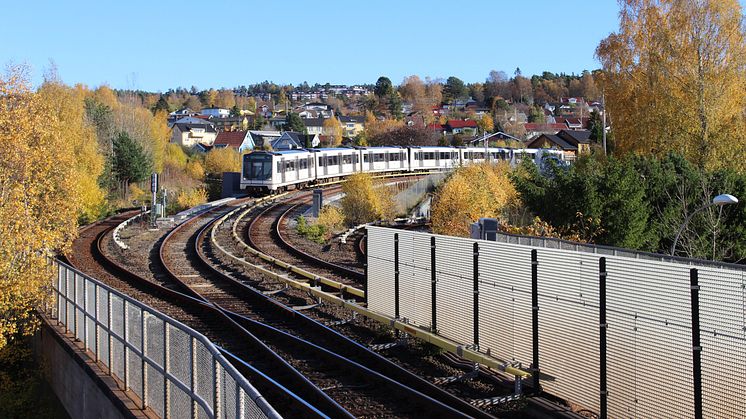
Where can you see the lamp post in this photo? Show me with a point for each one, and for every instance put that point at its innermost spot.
(720, 200)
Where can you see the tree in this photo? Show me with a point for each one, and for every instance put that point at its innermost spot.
(41, 196)
(536, 114)
(394, 102)
(412, 89)
(222, 160)
(333, 129)
(486, 124)
(161, 105)
(130, 162)
(383, 88)
(363, 202)
(674, 77)
(454, 89)
(294, 123)
(208, 98)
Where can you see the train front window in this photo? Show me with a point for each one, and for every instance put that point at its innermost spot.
(258, 166)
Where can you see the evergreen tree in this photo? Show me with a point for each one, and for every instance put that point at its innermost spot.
(294, 123)
(130, 162)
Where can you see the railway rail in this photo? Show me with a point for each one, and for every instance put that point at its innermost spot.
(307, 345)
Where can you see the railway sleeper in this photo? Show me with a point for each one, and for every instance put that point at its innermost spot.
(458, 378)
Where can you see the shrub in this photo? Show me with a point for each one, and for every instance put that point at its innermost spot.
(190, 198)
(315, 233)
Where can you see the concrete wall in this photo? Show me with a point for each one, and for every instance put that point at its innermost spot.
(83, 388)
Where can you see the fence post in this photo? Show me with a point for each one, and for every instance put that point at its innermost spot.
(396, 275)
(696, 345)
(144, 364)
(166, 370)
(85, 314)
(365, 266)
(218, 409)
(97, 315)
(476, 295)
(433, 280)
(193, 384)
(125, 333)
(535, 321)
(603, 393)
(75, 306)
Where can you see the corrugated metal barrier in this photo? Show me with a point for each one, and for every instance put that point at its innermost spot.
(625, 337)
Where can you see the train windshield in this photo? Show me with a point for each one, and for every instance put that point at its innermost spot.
(257, 166)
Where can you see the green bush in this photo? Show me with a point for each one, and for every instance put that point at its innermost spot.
(315, 233)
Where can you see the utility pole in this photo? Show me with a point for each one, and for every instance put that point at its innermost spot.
(603, 105)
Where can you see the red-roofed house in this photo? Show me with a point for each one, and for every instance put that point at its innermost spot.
(437, 128)
(456, 126)
(238, 140)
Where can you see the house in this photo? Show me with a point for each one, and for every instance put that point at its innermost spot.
(533, 128)
(455, 126)
(216, 112)
(295, 140)
(257, 139)
(572, 142)
(440, 129)
(238, 140)
(352, 125)
(497, 138)
(231, 123)
(314, 125)
(192, 119)
(189, 135)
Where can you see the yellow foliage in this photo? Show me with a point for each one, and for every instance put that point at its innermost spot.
(41, 195)
(472, 192)
(365, 203)
(222, 160)
(195, 170)
(175, 156)
(675, 80)
(160, 134)
(191, 198)
(138, 194)
(486, 123)
(331, 218)
(333, 128)
(374, 127)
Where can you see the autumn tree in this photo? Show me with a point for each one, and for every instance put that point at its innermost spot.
(41, 194)
(472, 192)
(454, 89)
(130, 162)
(364, 201)
(486, 123)
(674, 77)
(333, 129)
(222, 160)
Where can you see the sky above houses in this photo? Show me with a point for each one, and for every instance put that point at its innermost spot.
(157, 45)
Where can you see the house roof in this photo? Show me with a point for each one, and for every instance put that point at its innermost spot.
(313, 122)
(562, 144)
(455, 123)
(230, 138)
(575, 136)
(355, 119)
(188, 127)
(435, 127)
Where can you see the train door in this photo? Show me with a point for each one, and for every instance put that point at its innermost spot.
(437, 158)
(297, 168)
(281, 169)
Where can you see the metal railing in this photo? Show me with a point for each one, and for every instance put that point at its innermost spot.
(172, 370)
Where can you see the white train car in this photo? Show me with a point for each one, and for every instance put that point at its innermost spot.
(384, 159)
(277, 170)
(336, 162)
(433, 158)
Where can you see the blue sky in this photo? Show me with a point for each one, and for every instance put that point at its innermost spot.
(155, 45)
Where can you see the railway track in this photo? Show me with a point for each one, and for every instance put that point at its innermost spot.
(221, 329)
(230, 255)
(307, 345)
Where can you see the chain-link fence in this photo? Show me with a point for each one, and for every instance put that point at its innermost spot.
(173, 371)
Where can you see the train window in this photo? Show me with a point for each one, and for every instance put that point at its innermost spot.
(394, 157)
(355, 158)
(258, 166)
(365, 158)
(279, 167)
(347, 159)
(428, 156)
(444, 155)
(401, 156)
(332, 160)
(303, 164)
(310, 162)
(378, 157)
(454, 155)
(321, 162)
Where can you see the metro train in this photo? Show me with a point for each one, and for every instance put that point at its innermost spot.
(277, 171)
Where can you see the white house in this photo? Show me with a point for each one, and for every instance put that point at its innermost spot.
(189, 135)
(216, 112)
(314, 125)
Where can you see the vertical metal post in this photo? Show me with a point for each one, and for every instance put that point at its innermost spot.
(75, 306)
(476, 295)
(396, 275)
(696, 345)
(166, 371)
(433, 281)
(193, 356)
(125, 333)
(535, 320)
(218, 409)
(603, 393)
(67, 303)
(240, 395)
(108, 330)
(85, 314)
(143, 364)
(96, 309)
(365, 266)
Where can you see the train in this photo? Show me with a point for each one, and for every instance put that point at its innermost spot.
(267, 172)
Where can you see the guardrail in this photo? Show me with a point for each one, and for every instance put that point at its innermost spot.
(120, 227)
(189, 213)
(172, 370)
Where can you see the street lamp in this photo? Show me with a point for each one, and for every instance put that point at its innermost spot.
(720, 200)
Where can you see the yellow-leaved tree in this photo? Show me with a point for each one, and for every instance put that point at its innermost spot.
(41, 194)
(674, 76)
(365, 202)
(332, 128)
(472, 192)
(222, 160)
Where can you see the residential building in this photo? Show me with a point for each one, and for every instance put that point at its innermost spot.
(314, 125)
(294, 140)
(231, 123)
(238, 140)
(468, 127)
(534, 129)
(257, 139)
(189, 135)
(572, 142)
(352, 125)
(215, 112)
